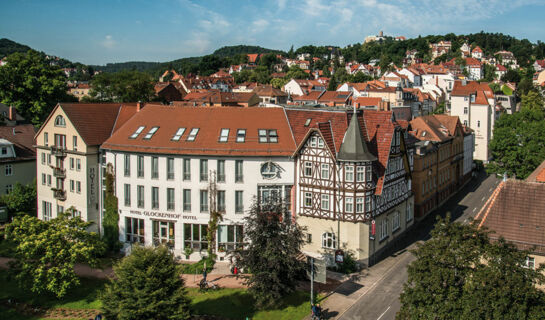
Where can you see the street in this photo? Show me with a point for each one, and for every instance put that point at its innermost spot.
(382, 301)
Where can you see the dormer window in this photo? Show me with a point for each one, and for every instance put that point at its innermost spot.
(193, 134)
(178, 134)
(150, 133)
(268, 135)
(224, 135)
(59, 121)
(241, 135)
(137, 132)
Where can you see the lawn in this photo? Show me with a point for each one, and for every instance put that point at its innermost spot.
(227, 303)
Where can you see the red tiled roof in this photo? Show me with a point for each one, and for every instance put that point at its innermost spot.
(366, 101)
(471, 88)
(269, 91)
(435, 127)
(22, 137)
(209, 121)
(311, 96)
(335, 96)
(477, 49)
(499, 67)
(538, 175)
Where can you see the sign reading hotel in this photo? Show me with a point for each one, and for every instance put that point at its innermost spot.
(165, 215)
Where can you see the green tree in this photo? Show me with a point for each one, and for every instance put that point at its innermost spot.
(332, 86)
(111, 215)
(361, 77)
(123, 86)
(533, 100)
(33, 86)
(294, 72)
(261, 75)
(511, 76)
(274, 242)
(46, 252)
(278, 82)
(518, 144)
(460, 274)
(147, 285)
(21, 200)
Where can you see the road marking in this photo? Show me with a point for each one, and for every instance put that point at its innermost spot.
(474, 209)
(384, 312)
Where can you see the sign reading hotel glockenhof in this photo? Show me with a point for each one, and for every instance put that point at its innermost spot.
(164, 215)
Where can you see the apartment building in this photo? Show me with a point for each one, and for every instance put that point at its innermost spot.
(67, 148)
(173, 166)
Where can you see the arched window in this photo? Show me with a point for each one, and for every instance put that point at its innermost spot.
(329, 241)
(59, 121)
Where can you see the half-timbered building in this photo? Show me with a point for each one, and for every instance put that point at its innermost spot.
(353, 181)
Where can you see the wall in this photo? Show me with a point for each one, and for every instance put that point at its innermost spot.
(23, 172)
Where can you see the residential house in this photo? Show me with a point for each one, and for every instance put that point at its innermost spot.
(539, 65)
(336, 98)
(440, 48)
(170, 75)
(80, 90)
(466, 50)
(169, 91)
(414, 76)
(500, 71)
(216, 98)
(395, 79)
(474, 69)
(477, 53)
(301, 87)
(270, 95)
(507, 58)
(370, 103)
(68, 166)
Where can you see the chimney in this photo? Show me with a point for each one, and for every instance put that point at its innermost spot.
(12, 113)
(138, 106)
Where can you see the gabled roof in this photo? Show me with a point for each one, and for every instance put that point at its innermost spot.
(354, 146)
(335, 96)
(366, 101)
(269, 91)
(22, 137)
(437, 128)
(210, 121)
(459, 89)
(477, 50)
(499, 67)
(538, 175)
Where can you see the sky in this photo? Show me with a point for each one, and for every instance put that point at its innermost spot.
(100, 31)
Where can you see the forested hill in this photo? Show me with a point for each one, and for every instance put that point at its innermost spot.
(8, 47)
(243, 49)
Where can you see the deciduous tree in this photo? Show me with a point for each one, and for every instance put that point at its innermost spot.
(147, 285)
(123, 86)
(21, 200)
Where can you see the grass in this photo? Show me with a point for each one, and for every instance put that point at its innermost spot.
(506, 90)
(226, 303)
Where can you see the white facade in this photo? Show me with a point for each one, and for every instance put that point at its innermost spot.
(293, 88)
(184, 216)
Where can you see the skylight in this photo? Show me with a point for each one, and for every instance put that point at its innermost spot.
(262, 135)
(178, 134)
(224, 135)
(270, 135)
(193, 134)
(241, 135)
(273, 136)
(137, 132)
(150, 133)
(307, 123)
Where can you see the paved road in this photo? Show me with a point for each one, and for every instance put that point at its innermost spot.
(382, 302)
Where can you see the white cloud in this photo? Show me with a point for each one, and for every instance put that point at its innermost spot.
(108, 42)
(198, 43)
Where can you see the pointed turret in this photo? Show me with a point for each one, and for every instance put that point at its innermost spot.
(354, 147)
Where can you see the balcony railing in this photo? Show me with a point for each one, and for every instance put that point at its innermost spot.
(59, 194)
(59, 173)
(58, 151)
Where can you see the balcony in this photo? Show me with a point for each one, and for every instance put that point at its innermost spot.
(59, 194)
(58, 151)
(59, 173)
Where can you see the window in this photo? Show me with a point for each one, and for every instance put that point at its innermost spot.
(193, 134)
(137, 132)
(154, 197)
(465, 123)
(49, 158)
(195, 236)
(9, 188)
(360, 174)
(140, 196)
(308, 199)
(239, 204)
(313, 141)
(530, 263)
(395, 221)
(60, 141)
(140, 167)
(224, 135)
(127, 163)
(383, 229)
(329, 241)
(49, 180)
(307, 122)
(230, 237)
(154, 167)
(78, 186)
(8, 170)
(241, 135)
(308, 169)
(239, 171)
(78, 164)
(368, 173)
(349, 204)
(46, 210)
(325, 202)
(5, 151)
(325, 171)
(320, 142)
(170, 199)
(465, 110)
(349, 173)
(178, 134)
(75, 143)
(187, 169)
(43, 158)
(163, 233)
(268, 135)
(59, 121)
(221, 201)
(203, 170)
(127, 195)
(368, 203)
(204, 200)
(478, 123)
(46, 139)
(221, 171)
(134, 230)
(409, 214)
(43, 178)
(359, 205)
(187, 199)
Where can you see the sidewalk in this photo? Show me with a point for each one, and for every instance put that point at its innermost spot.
(346, 294)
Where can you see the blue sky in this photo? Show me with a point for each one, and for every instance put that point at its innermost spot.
(97, 32)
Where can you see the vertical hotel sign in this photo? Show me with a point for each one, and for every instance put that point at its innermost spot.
(92, 184)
